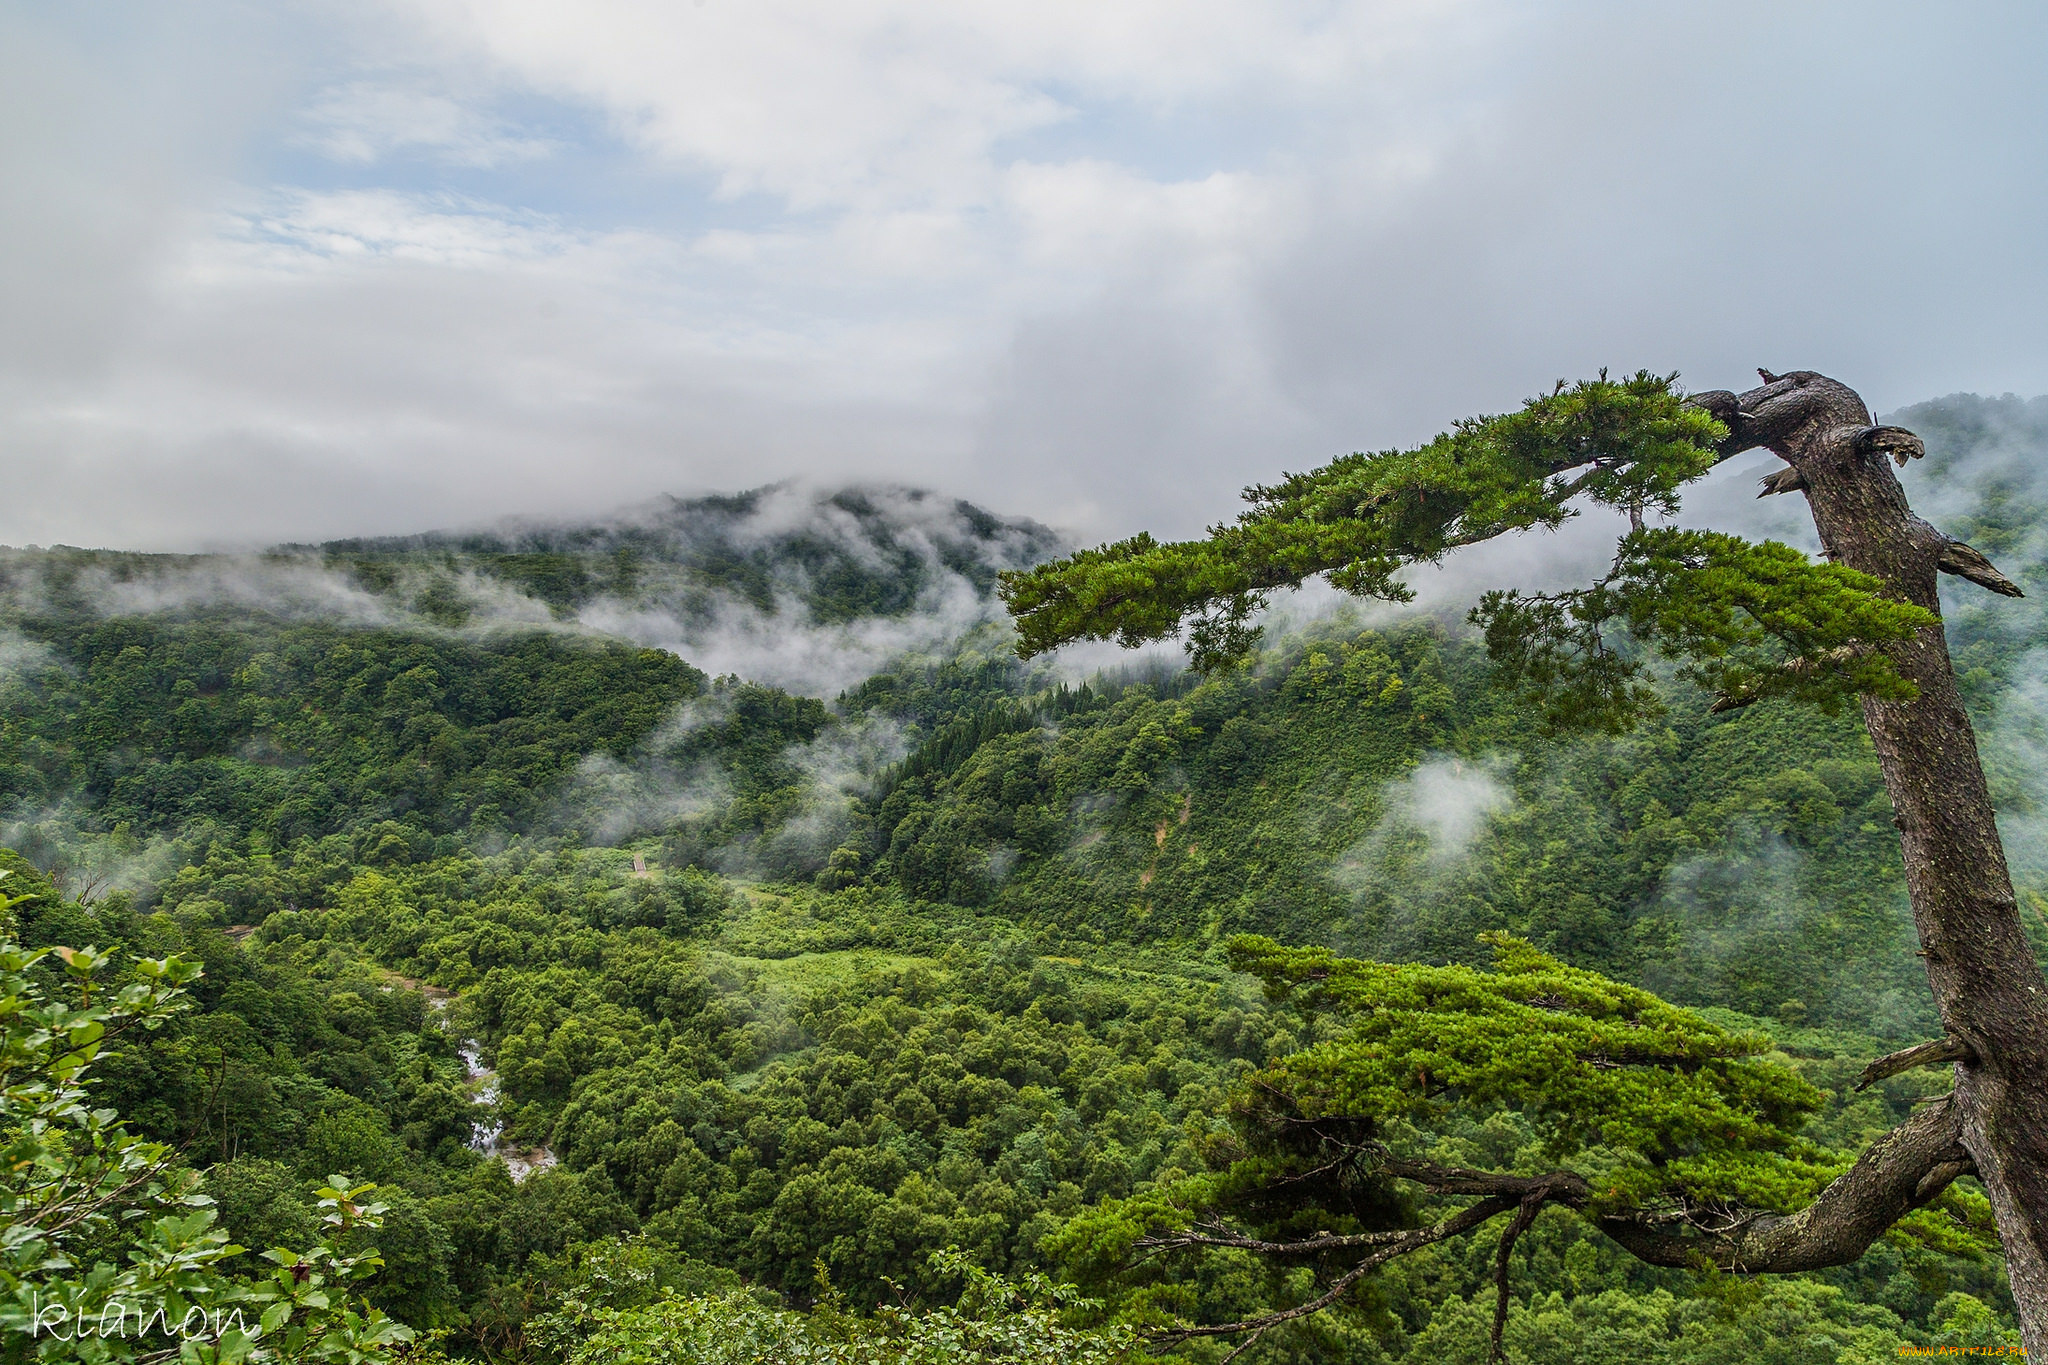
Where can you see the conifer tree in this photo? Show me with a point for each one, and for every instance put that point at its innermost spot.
(1747, 620)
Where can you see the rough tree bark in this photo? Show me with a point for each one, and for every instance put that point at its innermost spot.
(1987, 984)
(1896, 1174)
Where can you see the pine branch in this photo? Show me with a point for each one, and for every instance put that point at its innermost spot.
(1518, 1225)
(1920, 1054)
(1967, 562)
(1414, 1239)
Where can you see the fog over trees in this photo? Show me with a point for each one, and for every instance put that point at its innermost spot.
(1052, 962)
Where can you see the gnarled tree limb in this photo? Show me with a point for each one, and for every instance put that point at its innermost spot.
(1519, 1224)
(1412, 1240)
(1220, 1236)
(1897, 442)
(1966, 562)
(1921, 1054)
(1898, 1173)
(1565, 1186)
(1987, 982)
(1787, 480)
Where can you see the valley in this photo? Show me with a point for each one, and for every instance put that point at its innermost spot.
(660, 994)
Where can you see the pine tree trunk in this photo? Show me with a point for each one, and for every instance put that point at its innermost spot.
(1987, 983)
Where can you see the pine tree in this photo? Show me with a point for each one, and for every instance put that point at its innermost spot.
(1746, 619)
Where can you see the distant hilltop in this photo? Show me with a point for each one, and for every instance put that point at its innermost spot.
(857, 551)
(840, 554)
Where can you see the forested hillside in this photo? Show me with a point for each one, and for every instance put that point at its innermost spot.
(777, 991)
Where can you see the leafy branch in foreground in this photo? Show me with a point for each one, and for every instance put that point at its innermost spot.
(108, 1251)
(1678, 1139)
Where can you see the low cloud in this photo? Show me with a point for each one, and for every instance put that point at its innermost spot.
(20, 656)
(839, 767)
(86, 861)
(851, 579)
(651, 793)
(783, 647)
(2014, 739)
(1448, 801)
(1410, 877)
(1748, 914)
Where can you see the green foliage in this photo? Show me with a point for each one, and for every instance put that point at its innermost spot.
(1782, 1322)
(1750, 620)
(1633, 443)
(110, 1250)
(768, 1114)
(306, 730)
(985, 1000)
(1744, 858)
(1681, 1110)
(994, 1321)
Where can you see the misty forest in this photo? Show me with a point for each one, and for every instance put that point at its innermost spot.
(702, 936)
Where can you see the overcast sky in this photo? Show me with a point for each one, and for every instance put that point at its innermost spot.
(278, 271)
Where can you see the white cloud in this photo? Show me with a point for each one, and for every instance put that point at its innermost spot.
(1450, 800)
(1416, 852)
(904, 103)
(1098, 264)
(21, 656)
(787, 649)
(2015, 748)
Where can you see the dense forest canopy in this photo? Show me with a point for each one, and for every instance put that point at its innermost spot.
(930, 978)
